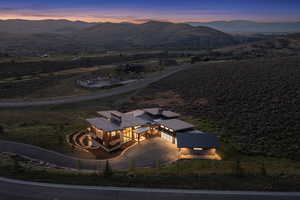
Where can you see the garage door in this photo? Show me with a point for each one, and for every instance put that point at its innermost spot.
(166, 137)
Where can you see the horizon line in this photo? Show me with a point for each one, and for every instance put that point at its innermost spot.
(142, 21)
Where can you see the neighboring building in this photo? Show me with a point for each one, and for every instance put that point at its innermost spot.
(113, 129)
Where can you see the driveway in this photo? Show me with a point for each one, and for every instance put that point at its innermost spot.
(144, 154)
(102, 94)
(147, 153)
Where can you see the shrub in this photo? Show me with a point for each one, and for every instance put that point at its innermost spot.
(16, 167)
(107, 170)
(132, 165)
(158, 164)
(78, 165)
(252, 105)
(263, 170)
(98, 168)
(60, 134)
(1, 130)
(238, 169)
(178, 168)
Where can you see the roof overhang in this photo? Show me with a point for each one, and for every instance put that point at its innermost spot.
(175, 124)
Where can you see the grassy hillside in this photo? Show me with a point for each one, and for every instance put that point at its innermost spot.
(282, 46)
(244, 26)
(16, 68)
(41, 26)
(57, 76)
(255, 103)
(155, 34)
(64, 37)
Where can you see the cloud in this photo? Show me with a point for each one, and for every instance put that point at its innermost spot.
(7, 9)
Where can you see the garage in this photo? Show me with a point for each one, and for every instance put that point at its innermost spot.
(168, 138)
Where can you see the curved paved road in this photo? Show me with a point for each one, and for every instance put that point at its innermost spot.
(120, 90)
(144, 155)
(21, 190)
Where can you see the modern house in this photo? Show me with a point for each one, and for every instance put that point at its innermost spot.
(112, 129)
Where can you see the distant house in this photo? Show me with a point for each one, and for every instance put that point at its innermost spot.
(45, 56)
(168, 62)
(113, 129)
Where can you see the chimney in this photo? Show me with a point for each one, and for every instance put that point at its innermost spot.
(116, 119)
(160, 111)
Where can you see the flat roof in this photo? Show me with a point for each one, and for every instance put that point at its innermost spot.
(136, 112)
(153, 111)
(142, 130)
(103, 124)
(175, 124)
(197, 140)
(115, 112)
(139, 117)
(169, 114)
(160, 111)
(129, 120)
(107, 113)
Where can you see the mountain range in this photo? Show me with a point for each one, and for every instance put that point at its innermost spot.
(25, 37)
(27, 27)
(244, 26)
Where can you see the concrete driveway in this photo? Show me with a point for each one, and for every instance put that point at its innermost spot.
(147, 153)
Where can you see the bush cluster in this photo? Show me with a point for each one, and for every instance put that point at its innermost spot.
(255, 102)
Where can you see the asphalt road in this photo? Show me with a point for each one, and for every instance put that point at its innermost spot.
(21, 190)
(102, 94)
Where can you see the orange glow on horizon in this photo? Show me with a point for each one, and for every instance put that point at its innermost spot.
(92, 17)
(97, 19)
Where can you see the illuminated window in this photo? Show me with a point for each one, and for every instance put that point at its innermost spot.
(198, 149)
(113, 133)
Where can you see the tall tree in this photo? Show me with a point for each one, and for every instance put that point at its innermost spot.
(107, 170)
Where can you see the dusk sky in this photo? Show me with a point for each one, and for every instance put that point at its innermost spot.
(139, 11)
